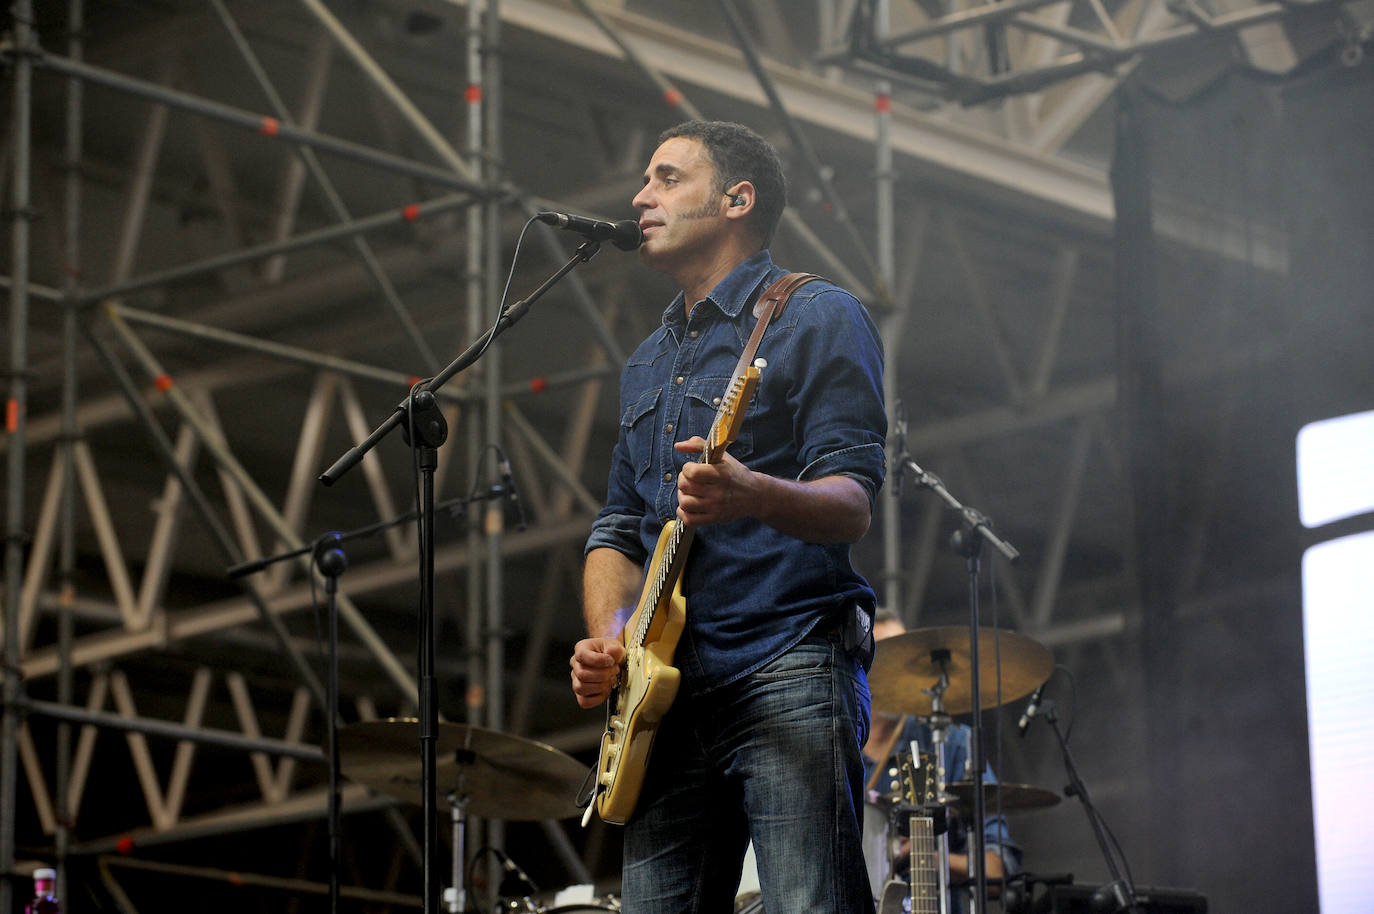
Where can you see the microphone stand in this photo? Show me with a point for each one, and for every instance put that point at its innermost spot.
(332, 562)
(454, 506)
(425, 429)
(1121, 890)
(329, 557)
(969, 545)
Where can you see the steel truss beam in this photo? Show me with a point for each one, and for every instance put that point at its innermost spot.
(1102, 50)
(938, 145)
(235, 611)
(935, 143)
(263, 125)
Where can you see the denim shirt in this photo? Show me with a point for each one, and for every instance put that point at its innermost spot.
(752, 591)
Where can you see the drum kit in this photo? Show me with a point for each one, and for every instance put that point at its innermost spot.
(923, 673)
(928, 674)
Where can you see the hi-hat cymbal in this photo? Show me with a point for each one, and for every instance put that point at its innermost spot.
(503, 776)
(906, 664)
(1014, 797)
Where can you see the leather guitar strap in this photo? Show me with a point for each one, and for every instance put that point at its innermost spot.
(767, 309)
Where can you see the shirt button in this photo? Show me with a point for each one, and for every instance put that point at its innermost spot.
(667, 477)
(668, 427)
(694, 334)
(680, 379)
(715, 401)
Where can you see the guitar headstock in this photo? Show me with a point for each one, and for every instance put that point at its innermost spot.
(919, 787)
(730, 415)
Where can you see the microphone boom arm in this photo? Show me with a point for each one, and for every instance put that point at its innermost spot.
(354, 455)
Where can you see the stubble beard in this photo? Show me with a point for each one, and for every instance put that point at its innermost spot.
(706, 210)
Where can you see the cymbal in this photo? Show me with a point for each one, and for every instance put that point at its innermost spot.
(1014, 797)
(904, 665)
(503, 776)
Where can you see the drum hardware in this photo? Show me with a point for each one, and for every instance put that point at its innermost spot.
(908, 666)
(501, 776)
(928, 673)
(492, 774)
(1007, 796)
(939, 723)
(527, 905)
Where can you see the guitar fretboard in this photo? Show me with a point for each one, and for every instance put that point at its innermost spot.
(654, 593)
(925, 884)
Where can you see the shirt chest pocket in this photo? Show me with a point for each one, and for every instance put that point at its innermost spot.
(637, 428)
(704, 398)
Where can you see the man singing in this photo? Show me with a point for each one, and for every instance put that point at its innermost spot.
(763, 740)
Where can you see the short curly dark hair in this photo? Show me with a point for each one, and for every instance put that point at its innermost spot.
(739, 154)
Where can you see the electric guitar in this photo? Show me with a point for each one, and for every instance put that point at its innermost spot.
(648, 681)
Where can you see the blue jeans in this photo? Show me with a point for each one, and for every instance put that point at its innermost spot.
(773, 758)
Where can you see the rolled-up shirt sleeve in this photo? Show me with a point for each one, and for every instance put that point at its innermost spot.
(866, 464)
(837, 397)
(618, 524)
(619, 532)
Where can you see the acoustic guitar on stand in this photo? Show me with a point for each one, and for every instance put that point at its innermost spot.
(648, 680)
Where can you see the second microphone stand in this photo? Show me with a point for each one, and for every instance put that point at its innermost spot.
(1117, 896)
(328, 555)
(968, 541)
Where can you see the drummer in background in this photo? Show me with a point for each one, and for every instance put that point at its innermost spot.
(1002, 854)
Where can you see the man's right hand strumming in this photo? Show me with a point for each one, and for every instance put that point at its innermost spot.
(595, 669)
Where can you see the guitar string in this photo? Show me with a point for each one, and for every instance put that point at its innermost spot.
(650, 603)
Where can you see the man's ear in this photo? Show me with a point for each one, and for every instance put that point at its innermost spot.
(740, 200)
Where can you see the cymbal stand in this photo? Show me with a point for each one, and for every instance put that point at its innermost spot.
(969, 545)
(425, 429)
(458, 808)
(939, 723)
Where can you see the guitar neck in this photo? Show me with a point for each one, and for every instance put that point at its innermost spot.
(676, 538)
(925, 880)
(679, 538)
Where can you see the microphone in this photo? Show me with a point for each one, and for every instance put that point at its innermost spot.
(509, 493)
(510, 866)
(1032, 708)
(624, 234)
